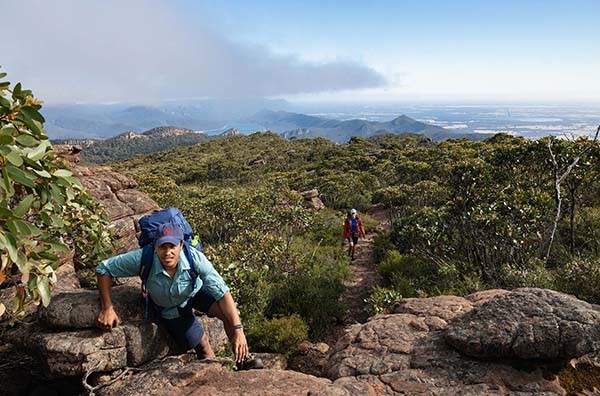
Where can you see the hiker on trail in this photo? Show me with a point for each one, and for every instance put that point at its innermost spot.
(353, 228)
(175, 286)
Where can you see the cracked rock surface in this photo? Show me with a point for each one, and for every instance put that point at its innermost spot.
(406, 354)
(68, 343)
(176, 377)
(528, 323)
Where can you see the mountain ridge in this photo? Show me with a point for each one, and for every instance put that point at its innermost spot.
(340, 131)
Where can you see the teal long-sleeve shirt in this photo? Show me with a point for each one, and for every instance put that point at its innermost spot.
(165, 292)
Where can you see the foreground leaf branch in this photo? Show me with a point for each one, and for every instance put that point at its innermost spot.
(44, 210)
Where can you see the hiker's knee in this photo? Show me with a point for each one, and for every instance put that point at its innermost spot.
(203, 349)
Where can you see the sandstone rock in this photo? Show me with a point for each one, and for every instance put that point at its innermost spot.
(309, 358)
(174, 376)
(124, 231)
(66, 276)
(481, 297)
(71, 153)
(122, 203)
(528, 324)
(311, 199)
(115, 209)
(137, 201)
(406, 353)
(145, 341)
(314, 203)
(74, 353)
(314, 193)
(79, 309)
(66, 279)
(306, 346)
(68, 350)
(443, 307)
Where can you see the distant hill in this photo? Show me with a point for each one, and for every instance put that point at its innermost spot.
(102, 121)
(128, 144)
(292, 125)
(230, 132)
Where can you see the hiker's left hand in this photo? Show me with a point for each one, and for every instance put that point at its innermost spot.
(239, 346)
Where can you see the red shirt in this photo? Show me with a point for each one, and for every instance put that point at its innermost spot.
(360, 229)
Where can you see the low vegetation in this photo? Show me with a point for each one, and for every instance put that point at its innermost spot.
(465, 215)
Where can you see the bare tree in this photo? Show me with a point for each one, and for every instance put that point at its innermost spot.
(559, 176)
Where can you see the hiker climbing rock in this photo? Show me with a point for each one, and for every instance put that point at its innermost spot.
(353, 229)
(173, 284)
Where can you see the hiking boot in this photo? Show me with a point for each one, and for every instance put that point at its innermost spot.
(249, 363)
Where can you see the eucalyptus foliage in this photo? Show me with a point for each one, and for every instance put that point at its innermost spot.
(43, 207)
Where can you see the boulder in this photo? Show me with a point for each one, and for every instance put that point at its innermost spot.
(123, 204)
(65, 274)
(68, 350)
(406, 353)
(312, 200)
(79, 309)
(442, 307)
(527, 324)
(314, 193)
(309, 358)
(176, 377)
(483, 296)
(72, 353)
(314, 203)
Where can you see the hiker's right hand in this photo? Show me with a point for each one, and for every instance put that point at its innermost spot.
(107, 319)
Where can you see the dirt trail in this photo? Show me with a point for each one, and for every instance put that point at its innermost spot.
(363, 272)
(364, 276)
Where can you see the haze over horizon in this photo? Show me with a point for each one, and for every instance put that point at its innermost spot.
(332, 51)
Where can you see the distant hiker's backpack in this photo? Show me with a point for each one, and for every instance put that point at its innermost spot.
(149, 225)
(354, 231)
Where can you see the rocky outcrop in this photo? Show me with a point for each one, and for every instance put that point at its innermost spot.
(528, 324)
(404, 353)
(407, 352)
(123, 204)
(309, 358)
(68, 343)
(230, 133)
(312, 200)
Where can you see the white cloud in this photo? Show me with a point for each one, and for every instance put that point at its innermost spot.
(142, 50)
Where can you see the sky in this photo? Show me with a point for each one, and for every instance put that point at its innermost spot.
(331, 51)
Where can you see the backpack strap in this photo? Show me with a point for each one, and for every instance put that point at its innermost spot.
(187, 249)
(145, 267)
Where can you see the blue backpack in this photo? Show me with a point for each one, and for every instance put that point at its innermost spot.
(149, 225)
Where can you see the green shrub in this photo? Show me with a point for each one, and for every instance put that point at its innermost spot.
(534, 274)
(326, 229)
(467, 284)
(580, 277)
(43, 207)
(314, 291)
(369, 222)
(248, 264)
(280, 335)
(382, 300)
(382, 243)
(414, 276)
